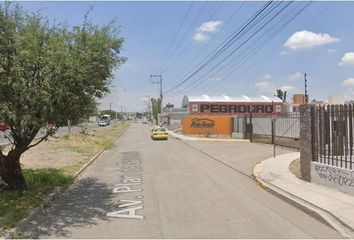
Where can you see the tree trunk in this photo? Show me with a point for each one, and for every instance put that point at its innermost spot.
(11, 172)
(69, 126)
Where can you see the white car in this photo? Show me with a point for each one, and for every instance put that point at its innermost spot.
(103, 123)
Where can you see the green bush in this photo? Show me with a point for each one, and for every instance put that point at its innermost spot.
(15, 206)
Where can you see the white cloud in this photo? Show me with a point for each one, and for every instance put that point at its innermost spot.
(211, 26)
(307, 39)
(347, 59)
(349, 82)
(207, 27)
(288, 88)
(214, 79)
(332, 50)
(200, 37)
(283, 53)
(265, 88)
(267, 77)
(295, 77)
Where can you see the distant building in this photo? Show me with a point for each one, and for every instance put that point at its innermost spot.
(318, 102)
(336, 99)
(299, 98)
(167, 107)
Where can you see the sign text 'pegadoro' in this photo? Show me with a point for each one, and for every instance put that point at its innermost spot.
(234, 108)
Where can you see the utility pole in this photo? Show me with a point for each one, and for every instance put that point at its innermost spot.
(149, 106)
(159, 82)
(306, 97)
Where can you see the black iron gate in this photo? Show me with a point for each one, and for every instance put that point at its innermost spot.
(332, 135)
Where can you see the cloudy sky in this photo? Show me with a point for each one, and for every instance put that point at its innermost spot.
(224, 48)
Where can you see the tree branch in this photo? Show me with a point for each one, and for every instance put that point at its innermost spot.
(8, 138)
(49, 132)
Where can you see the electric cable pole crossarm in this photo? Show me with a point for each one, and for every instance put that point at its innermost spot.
(159, 82)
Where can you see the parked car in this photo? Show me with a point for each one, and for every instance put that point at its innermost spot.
(159, 133)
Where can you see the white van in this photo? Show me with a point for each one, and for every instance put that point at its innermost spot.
(104, 120)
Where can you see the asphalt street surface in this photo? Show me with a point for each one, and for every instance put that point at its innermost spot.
(173, 189)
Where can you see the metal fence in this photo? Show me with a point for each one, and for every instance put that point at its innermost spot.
(284, 132)
(332, 135)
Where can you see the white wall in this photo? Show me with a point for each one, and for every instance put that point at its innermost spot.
(331, 176)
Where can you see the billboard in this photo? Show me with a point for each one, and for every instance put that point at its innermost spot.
(207, 125)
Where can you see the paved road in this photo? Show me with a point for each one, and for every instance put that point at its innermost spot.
(166, 189)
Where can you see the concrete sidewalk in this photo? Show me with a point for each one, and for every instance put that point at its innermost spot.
(190, 138)
(333, 206)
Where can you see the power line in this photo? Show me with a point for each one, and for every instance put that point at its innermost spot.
(266, 33)
(242, 62)
(270, 36)
(190, 42)
(185, 34)
(176, 33)
(189, 63)
(222, 48)
(239, 47)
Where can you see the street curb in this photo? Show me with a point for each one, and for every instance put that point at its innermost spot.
(231, 140)
(16, 231)
(315, 211)
(97, 155)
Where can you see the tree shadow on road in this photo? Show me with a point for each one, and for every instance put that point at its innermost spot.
(83, 204)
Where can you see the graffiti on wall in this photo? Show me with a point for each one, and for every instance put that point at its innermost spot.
(335, 175)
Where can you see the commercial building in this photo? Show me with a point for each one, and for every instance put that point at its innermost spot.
(336, 99)
(299, 99)
(224, 115)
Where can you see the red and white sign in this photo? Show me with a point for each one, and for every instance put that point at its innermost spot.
(230, 108)
(274, 116)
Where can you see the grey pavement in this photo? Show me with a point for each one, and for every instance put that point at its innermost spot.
(336, 207)
(171, 189)
(192, 138)
(237, 153)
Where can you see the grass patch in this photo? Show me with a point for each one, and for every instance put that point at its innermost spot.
(89, 143)
(15, 206)
(71, 170)
(66, 137)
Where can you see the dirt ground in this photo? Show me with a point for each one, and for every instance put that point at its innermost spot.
(69, 153)
(49, 154)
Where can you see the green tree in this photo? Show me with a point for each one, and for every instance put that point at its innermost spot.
(281, 95)
(156, 108)
(49, 74)
(112, 113)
